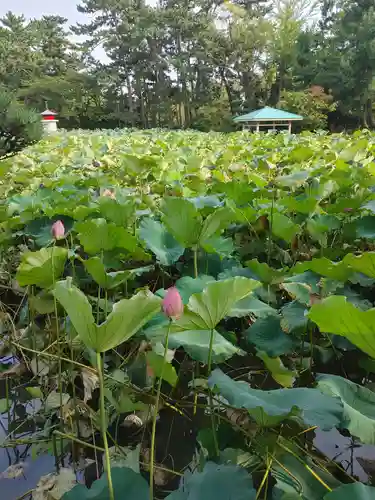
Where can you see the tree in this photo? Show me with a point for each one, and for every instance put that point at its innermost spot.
(193, 63)
(347, 66)
(19, 126)
(313, 104)
(40, 63)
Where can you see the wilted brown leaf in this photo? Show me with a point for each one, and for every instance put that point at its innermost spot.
(13, 471)
(54, 486)
(14, 371)
(90, 383)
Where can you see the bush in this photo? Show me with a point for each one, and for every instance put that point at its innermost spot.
(19, 125)
(313, 104)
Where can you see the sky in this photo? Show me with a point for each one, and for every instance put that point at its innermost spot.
(37, 8)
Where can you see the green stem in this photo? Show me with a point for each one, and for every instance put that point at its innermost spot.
(195, 251)
(103, 425)
(7, 399)
(72, 377)
(54, 446)
(153, 432)
(59, 375)
(79, 441)
(211, 402)
(270, 230)
(106, 303)
(52, 356)
(73, 264)
(98, 307)
(210, 348)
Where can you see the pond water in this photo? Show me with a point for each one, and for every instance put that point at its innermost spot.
(332, 443)
(339, 447)
(11, 489)
(34, 468)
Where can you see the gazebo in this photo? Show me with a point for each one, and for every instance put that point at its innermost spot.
(267, 117)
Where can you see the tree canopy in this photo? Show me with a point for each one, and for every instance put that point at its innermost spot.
(195, 63)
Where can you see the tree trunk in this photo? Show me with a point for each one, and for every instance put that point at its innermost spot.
(227, 89)
(130, 100)
(141, 101)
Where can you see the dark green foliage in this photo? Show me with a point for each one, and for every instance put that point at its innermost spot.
(195, 65)
(19, 125)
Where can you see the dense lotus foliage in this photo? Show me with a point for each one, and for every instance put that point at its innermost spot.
(268, 241)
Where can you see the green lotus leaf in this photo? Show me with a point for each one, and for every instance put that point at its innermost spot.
(353, 491)
(218, 298)
(338, 316)
(182, 220)
(216, 482)
(43, 267)
(97, 235)
(127, 485)
(126, 318)
(359, 405)
(160, 242)
(268, 336)
(283, 227)
(269, 408)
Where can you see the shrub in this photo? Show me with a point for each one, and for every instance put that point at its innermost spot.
(19, 125)
(313, 104)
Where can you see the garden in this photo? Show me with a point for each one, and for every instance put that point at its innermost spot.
(189, 315)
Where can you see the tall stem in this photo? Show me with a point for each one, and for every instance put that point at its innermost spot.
(270, 230)
(153, 433)
(209, 360)
(212, 414)
(195, 251)
(59, 354)
(7, 400)
(103, 425)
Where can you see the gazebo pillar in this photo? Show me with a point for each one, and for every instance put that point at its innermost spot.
(290, 127)
(257, 127)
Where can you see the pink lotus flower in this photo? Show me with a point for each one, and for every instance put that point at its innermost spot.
(109, 194)
(348, 209)
(173, 306)
(58, 230)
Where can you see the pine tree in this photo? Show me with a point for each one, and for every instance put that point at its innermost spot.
(19, 125)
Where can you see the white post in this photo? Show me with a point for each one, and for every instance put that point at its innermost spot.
(290, 127)
(49, 126)
(49, 121)
(257, 129)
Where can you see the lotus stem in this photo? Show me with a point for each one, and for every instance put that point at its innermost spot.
(153, 432)
(103, 425)
(212, 414)
(195, 251)
(59, 354)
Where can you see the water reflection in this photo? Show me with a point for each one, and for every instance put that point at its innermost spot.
(11, 489)
(340, 448)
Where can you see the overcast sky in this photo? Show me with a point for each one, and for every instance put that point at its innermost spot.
(37, 8)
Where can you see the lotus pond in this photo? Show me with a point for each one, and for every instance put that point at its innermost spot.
(261, 388)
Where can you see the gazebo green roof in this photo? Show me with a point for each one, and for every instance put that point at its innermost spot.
(268, 114)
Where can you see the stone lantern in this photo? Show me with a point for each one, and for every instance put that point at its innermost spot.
(49, 121)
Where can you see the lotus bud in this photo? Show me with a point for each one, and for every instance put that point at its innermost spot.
(109, 194)
(58, 230)
(173, 306)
